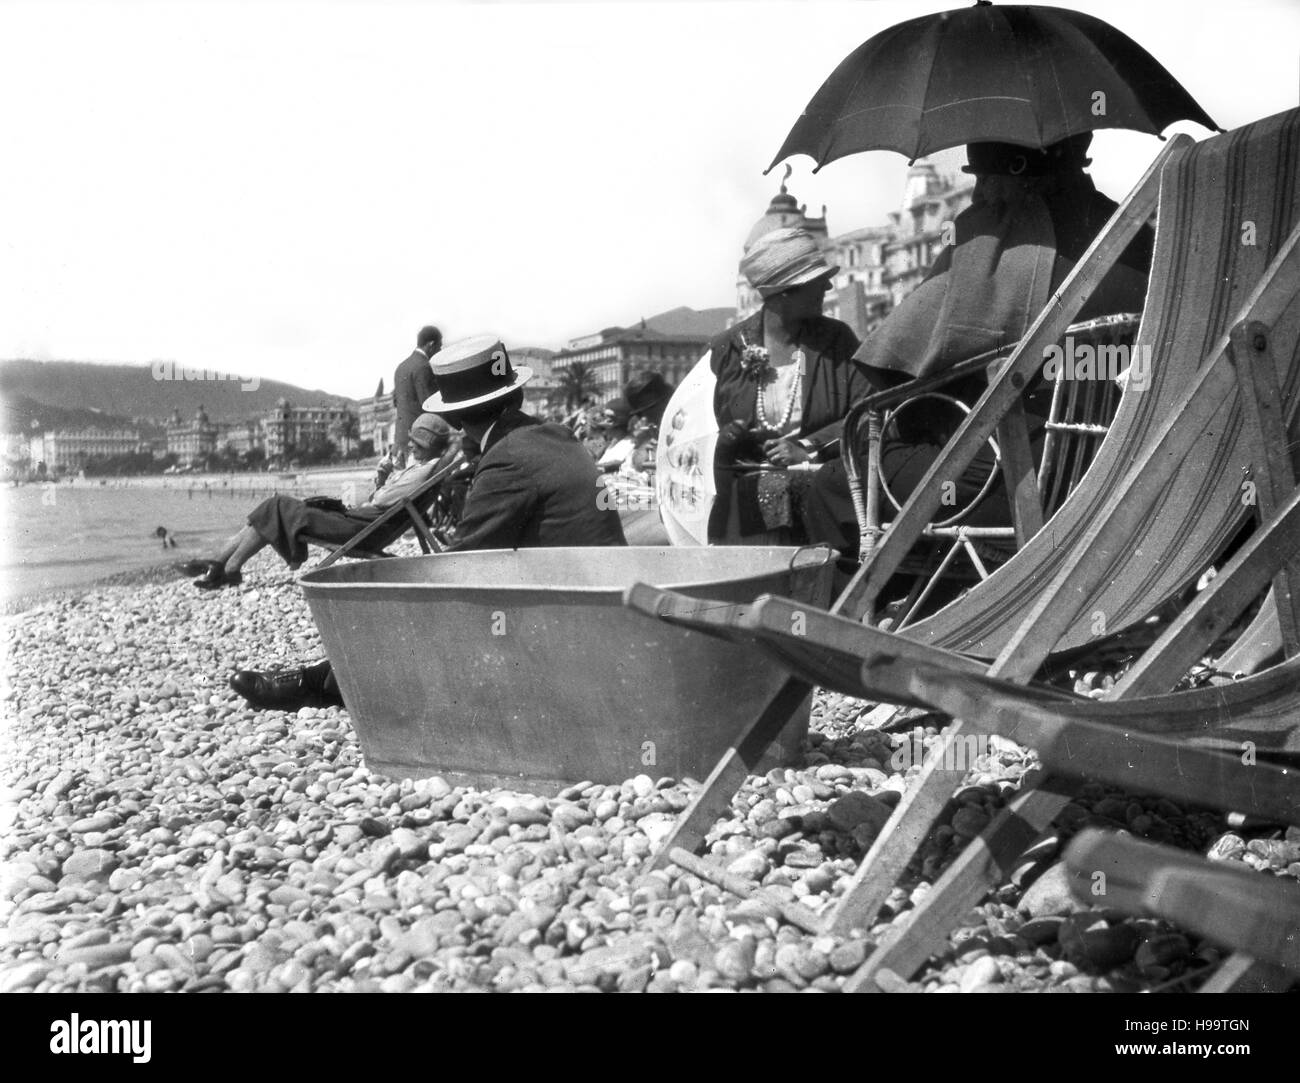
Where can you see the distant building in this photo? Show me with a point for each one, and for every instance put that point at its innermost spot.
(542, 391)
(930, 203)
(878, 265)
(191, 441)
(239, 437)
(375, 420)
(669, 343)
(288, 429)
(69, 450)
(15, 455)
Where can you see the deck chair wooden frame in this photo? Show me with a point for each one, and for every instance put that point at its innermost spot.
(1036, 490)
(414, 511)
(751, 744)
(1037, 636)
(1263, 708)
(1254, 914)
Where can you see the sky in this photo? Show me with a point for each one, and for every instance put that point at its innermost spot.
(292, 189)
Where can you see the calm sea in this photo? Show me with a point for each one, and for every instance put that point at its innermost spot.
(58, 536)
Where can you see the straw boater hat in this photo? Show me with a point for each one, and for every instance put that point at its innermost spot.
(471, 372)
(785, 258)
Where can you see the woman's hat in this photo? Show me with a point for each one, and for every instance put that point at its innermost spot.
(785, 258)
(427, 428)
(615, 412)
(471, 372)
(645, 391)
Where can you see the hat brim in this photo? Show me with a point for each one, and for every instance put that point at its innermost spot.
(435, 405)
(652, 403)
(812, 275)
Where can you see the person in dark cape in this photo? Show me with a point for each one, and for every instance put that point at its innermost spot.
(1033, 215)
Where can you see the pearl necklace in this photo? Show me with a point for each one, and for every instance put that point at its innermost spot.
(796, 387)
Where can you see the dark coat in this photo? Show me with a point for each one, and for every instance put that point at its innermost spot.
(985, 291)
(832, 383)
(413, 382)
(535, 485)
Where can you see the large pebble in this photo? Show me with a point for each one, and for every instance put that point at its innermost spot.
(857, 808)
(1090, 939)
(1050, 894)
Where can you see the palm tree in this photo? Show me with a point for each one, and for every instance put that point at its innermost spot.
(576, 381)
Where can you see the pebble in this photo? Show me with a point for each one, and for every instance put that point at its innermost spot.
(1050, 894)
(981, 972)
(160, 836)
(1089, 939)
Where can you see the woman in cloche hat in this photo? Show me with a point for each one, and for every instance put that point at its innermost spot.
(785, 379)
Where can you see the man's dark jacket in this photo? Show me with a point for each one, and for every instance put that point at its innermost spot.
(535, 485)
(413, 382)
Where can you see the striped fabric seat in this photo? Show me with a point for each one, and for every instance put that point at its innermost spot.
(1225, 209)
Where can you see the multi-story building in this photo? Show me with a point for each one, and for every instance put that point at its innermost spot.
(290, 428)
(239, 437)
(923, 226)
(68, 450)
(878, 265)
(377, 417)
(191, 441)
(542, 391)
(669, 343)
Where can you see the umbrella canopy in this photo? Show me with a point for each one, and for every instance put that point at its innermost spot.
(1025, 75)
(684, 458)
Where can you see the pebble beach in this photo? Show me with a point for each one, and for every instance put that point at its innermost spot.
(158, 835)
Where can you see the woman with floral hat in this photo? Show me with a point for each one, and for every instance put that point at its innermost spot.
(785, 378)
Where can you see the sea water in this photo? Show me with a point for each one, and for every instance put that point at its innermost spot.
(54, 537)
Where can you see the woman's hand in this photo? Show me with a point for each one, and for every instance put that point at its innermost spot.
(785, 452)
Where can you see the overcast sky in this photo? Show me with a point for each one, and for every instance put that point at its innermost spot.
(291, 189)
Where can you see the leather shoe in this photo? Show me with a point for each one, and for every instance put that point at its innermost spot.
(194, 568)
(286, 691)
(217, 577)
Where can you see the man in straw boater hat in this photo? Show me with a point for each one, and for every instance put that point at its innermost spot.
(534, 485)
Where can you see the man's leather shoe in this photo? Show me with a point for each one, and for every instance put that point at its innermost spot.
(217, 577)
(286, 691)
(194, 568)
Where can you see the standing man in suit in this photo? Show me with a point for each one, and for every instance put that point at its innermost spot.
(413, 382)
(534, 485)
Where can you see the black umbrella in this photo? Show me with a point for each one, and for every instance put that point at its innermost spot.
(1025, 75)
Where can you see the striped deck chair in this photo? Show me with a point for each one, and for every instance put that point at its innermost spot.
(1141, 525)
(1207, 746)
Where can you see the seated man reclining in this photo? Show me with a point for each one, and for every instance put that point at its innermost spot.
(283, 522)
(534, 485)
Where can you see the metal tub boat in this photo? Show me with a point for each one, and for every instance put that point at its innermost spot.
(508, 668)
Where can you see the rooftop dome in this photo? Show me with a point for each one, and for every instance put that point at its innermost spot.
(783, 211)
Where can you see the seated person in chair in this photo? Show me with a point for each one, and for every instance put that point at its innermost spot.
(534, 485)
(283, 522)
(1033, 215)
(785, 378)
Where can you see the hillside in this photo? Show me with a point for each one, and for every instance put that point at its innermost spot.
(57, 393)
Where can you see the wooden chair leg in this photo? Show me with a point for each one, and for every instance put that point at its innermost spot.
(1251, 355)
(1239, 973)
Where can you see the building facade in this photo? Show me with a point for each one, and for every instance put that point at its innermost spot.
(289, 429)
(191, 441)
(376, 420)
(65, 451)
(669, 344)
